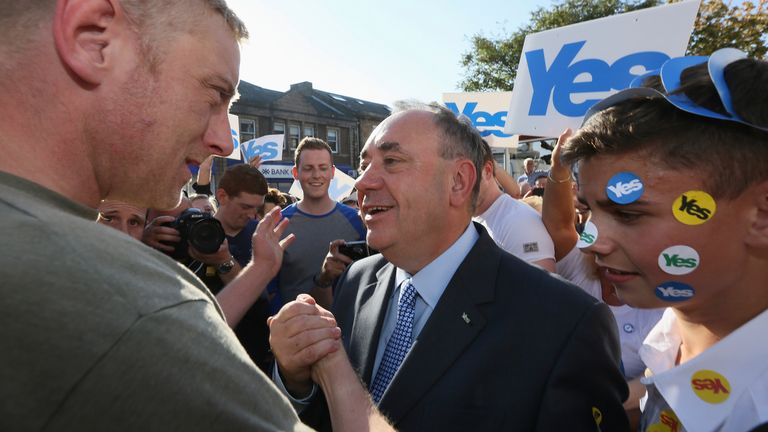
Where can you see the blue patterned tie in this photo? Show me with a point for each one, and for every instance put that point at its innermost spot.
(399, 343)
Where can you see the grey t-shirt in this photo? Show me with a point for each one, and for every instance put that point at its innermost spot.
(100, 332)
(304, 259)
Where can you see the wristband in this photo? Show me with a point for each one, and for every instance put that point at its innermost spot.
(549, 176)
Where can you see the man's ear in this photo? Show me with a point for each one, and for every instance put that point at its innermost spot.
(462, 183)
(488, 170)
(295, 172)
(222, 197)
(83, 31)
(758, 231)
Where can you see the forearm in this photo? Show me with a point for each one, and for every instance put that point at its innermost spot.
(506, 181)
(350, 405)
(636, 392)
(242, 292)
(204, 173)
(557, 211)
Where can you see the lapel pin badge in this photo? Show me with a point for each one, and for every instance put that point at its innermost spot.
(465, 317)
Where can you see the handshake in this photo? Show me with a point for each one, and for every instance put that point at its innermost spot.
(306, 343)
(307, 346)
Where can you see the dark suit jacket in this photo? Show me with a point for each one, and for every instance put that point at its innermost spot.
(536, 353)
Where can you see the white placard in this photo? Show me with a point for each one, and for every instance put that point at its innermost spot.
(565, 71)
(234, 127)
(488, 113)
(269, 147)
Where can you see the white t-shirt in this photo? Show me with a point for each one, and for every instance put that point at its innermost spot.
(518, 229)
(633, 324)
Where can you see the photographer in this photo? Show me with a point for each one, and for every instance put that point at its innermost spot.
(240, 194)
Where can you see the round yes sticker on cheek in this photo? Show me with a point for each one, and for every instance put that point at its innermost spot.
(624, 188)
(694, 207)
(588, 237)
(679, 260)
(674, 291)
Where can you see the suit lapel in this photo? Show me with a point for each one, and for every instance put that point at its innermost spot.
(453, 325)
(369, 320)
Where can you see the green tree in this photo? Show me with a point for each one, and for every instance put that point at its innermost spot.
(742, 26)
(491, 63)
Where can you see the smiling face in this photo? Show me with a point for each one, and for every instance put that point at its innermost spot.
(403, 193)
(633, 239)
(314, 170)
(157, 122)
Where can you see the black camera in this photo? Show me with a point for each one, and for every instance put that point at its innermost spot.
(198, 229)
(357, 250)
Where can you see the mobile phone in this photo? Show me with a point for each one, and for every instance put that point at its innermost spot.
(356, 249)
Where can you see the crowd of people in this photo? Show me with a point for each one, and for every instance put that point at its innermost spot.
(622, 289)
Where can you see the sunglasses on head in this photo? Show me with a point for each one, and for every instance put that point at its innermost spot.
(670, 73)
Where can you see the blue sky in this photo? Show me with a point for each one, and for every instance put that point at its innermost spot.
(378, 51)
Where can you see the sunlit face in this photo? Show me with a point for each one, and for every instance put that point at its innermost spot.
(314, 172)
(236, 211)
(123, 217)
(529, 166)
(632, 237)
(404, 191)
(159, 122)
(204, 204)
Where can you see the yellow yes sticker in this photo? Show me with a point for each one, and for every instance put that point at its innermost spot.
(710, 386)
(694, 207)
(597, 415)
(668, 422)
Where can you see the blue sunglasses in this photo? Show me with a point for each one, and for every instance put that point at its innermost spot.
(670, 73)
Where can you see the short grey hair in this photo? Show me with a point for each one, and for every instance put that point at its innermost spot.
(153, 20)
(460, 138)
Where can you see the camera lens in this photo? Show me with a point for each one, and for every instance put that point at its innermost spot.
(206, 235)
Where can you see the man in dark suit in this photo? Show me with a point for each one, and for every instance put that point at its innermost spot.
(446, 330)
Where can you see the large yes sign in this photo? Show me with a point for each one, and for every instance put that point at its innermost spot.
(559, 80)
(564, 71)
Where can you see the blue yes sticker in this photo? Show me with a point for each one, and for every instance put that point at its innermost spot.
(674, 291)
(624, 188)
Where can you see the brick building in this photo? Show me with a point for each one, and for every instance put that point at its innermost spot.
(344, 122)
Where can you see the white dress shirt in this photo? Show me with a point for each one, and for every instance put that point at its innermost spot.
(725, 388)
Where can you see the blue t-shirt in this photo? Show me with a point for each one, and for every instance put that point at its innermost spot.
(304, 258)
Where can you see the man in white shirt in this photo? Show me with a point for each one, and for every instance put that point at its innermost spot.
(513, 225)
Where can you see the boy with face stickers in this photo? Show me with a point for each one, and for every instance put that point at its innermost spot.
(675, 172)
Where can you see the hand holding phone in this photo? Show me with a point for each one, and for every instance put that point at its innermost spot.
(356, 249)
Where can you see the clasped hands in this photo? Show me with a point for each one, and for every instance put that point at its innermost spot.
(306, 343)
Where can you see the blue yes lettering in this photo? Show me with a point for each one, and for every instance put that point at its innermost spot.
(559, 80)
(624, 188)
(674, 291)
(482, 119)
(267, 150)
(235, 139)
